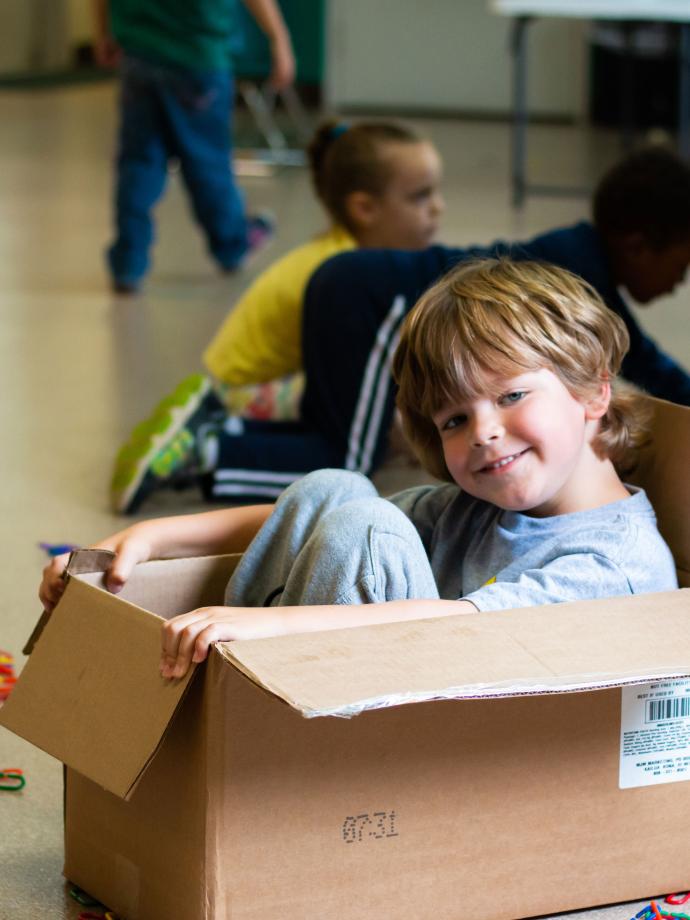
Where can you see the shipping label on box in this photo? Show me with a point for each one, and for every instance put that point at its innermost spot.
(655, 733)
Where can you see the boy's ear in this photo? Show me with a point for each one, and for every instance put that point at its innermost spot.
(362, 208)
(597, 405)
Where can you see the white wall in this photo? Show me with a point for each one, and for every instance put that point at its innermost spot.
(448, 55)
(34, 35)
(81, 20)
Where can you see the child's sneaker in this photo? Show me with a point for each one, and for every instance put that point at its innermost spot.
(261, 229)
(135, 478)
(162, 450)
(124, 288)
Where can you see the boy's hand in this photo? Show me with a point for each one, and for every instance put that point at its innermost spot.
(187, 638)
(52, 585)
(130, 547)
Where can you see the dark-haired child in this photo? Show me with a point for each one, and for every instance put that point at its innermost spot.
(508, 388)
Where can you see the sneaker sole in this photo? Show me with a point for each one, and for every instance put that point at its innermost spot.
(134, 459)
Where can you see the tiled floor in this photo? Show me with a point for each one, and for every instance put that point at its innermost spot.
(78, 368)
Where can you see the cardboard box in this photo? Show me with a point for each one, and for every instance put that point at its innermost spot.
(409, 770)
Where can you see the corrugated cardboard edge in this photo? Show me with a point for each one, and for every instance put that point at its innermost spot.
(188, 680)
(80, 561)
(466, 692)
(573, 658)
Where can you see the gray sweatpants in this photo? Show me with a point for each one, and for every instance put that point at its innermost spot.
(332, 540)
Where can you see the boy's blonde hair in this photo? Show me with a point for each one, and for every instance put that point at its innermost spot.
(503, 317)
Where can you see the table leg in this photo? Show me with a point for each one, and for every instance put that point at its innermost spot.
(684, 92)
(519, 134)
(626, 86)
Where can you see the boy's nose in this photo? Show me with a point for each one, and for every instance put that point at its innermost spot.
(438, 204)
(486, 428)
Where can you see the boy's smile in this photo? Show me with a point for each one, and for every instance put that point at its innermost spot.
(503, 464)
(526, 446)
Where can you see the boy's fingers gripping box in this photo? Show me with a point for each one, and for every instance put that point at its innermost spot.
(541, 754)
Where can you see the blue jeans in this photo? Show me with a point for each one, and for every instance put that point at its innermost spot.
(172, 113)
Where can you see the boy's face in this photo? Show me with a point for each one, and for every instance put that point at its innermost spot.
(523, 447)
(647, 272)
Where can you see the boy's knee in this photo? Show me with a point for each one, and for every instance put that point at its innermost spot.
(351, 523)
(329, 486)
(373, 553)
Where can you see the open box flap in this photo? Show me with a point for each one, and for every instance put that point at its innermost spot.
(662, 471)
(83, 560)
(551, 649)
(91, 694)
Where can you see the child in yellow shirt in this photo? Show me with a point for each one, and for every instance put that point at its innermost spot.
(379, 183)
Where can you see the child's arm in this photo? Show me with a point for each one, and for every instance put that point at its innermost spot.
(270, 20)
(106, 51)
(187, 638)
(227, 531)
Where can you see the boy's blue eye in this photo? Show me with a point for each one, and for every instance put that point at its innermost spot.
(513, 397)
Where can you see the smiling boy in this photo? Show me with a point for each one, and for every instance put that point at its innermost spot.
(523, 446)
(507, 390)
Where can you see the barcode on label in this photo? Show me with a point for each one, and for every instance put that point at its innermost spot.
(675, 707)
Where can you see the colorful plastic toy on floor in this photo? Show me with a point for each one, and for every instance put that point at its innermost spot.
(653, 911)
(7, 677)
(57, 549)
(12, 780)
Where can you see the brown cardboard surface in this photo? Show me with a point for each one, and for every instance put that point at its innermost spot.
(80, 694)
(83, 560)
(147, 857)
(168, 587)
(518, 797)
(405, 812)
(538, 649)
(663, 473)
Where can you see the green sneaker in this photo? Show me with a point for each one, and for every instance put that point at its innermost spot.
(176, 457)
(162, 450)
